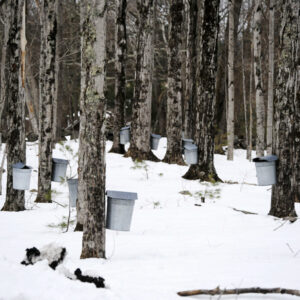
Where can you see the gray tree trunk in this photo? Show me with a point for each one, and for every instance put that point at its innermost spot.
(14, 86)
(140, 147)
(120, 79)
(92, 130)
(47, 96)
(260, 107)
(174, 104)
(270, 110)
(230, 109)
(286, 142)
(205, 106)
(191, 63)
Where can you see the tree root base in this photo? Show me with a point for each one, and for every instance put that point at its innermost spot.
(140, 155)
(196, 172)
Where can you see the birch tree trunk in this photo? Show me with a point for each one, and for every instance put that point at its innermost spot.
(174, 111)
(140, 148)
(191, 63)
(270, 111)
(120, 79)
(286, 142)
(260, 108)
(92, 129)
(205, 105)
(47, 95)
(13, 81)
(230, 110)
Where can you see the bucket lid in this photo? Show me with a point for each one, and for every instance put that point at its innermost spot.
(122, 195)
(188, 140)
(192, 147)
(125, 128)
(156, 136)
(60, 161)
(20, 165)
(266, 158)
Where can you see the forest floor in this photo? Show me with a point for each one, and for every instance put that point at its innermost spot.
(176, 243)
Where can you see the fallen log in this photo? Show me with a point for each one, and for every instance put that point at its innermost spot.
(251, 290)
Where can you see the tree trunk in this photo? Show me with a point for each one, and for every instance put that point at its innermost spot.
(13, 81)
(230, 111)
(174, 112)
(92, 130)
(270, 112)
(140, 147)
(191, 63)
(260, 107)
(47, 98)
(120, 79)
(286, 113)
(205, 106)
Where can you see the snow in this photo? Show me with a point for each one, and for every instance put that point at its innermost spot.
(173, 245)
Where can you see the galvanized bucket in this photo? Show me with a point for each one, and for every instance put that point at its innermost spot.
(125, 135)
(119, 210)
(59, 169)
(21, 176)
(191, 154)
(154, 141)
(186, 142)
(73, 191)
(266, 169)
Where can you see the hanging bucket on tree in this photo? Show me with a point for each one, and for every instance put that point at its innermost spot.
(191, 154)
(266, 169)
(154, 141)
(119, 210)
(125, 135)
(59, 169)
(21, 176)
(73, 191)
(186, 142)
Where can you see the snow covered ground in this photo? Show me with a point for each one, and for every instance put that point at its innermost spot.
(173, 245)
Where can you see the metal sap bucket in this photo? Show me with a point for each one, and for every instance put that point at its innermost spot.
(186, 142)
(191, 154)
(59, 169)
(21, 176)
(73, 191)
(125, 135)
(266, 169)
(119, 210)
(154, 141)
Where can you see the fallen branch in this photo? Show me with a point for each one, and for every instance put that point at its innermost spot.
(251, 290)
(244, 211)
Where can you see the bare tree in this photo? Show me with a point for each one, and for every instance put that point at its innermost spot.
(260, 107)
(287, 113)
(120, 79)
(14, 93)
(92, 129)
(230, 109)
(174, 108)
(205, 106)
(140, 148)
(46, 96)
(270, 77)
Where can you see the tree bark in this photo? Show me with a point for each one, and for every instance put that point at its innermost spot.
(191, 63)
(15, 96)
(140, 148)
(46, 97)
(205, 106)
(92, 130)
(174, 111)
(286, 113)
(260, 107)
(230, 110)
(120, 79)
(249, 148)
(270, 111)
